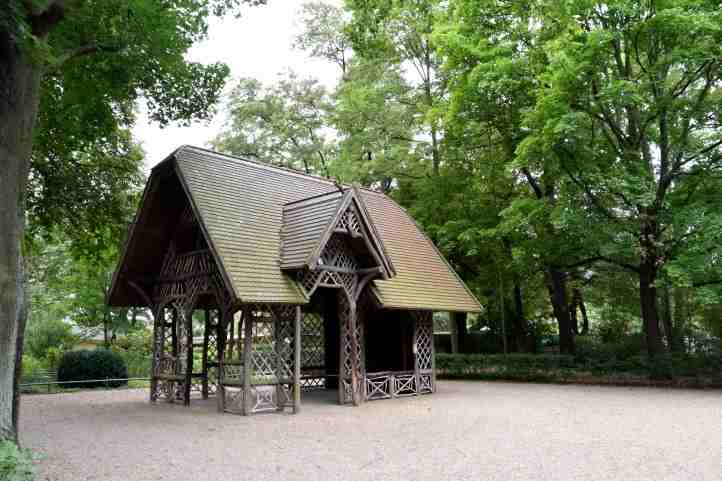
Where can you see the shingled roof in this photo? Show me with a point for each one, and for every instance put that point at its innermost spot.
(242, 206)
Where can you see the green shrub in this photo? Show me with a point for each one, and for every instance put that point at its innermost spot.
(44, 334)
(33, 369)
(590, 349)
(15, 464)
(498, 366)
(700, 369)
(136, 349)
(92, 365)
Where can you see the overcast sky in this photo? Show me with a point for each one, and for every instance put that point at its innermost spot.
(256, 45)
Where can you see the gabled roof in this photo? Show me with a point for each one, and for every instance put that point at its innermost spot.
(309, 223)
(305, 223)
(241, 204)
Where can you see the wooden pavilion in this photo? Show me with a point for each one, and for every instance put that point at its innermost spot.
(264, 281)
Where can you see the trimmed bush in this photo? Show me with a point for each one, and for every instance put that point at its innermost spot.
(522, 367)
(98, 364)
(701, 370)
(15, 464)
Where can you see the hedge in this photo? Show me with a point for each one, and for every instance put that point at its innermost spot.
(697, 369)
(499, 366)
(98, 364)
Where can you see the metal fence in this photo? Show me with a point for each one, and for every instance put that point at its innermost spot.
(44, 380)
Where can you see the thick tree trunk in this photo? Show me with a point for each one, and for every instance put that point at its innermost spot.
(19, 345)
(648, 301)
(19, 93)
(557, 287)
(648, 270)
(459, 320)
(521, 332)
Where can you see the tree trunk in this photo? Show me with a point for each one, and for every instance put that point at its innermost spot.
(459, 320)
(19, 94)
(585, 318)
(648, 270)
(521, 332)
(19, 345)
(573, 316)
(557, 287)
(667, 320)
(648, 301)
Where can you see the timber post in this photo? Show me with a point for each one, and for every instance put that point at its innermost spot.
(355, 391)
(204, 359)
(297, 361)
(247, 359)
(188, 318)
(415, 351)
(221, 347)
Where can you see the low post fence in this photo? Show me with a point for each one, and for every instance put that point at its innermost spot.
(104, 383)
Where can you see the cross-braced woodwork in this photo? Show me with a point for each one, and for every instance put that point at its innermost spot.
(349, 223)
(424, 342)
(255, 357)
(352, 368)
(184, 278)
(313, 359)
(265, 374)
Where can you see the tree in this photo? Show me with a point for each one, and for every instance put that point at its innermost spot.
(628, 110)
(400, 32)
(324, 34)
(284, 124)
(374, 120)
(97, 57)
(491, 64)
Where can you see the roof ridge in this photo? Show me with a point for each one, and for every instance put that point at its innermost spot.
(257, 163)
(313, 197)
(268, 166)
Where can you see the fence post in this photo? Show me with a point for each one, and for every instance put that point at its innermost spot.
(106, 382)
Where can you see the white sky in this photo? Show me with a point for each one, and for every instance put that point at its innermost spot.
(256, 45)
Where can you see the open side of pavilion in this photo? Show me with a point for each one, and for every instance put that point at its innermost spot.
(264, 281)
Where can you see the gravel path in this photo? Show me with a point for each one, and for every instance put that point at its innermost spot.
(467, 431)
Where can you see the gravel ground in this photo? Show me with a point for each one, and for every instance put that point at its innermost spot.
(467, 431)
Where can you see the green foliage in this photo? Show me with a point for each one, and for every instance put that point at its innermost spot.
(33, 369)
(136, 350)
(694, 370)
(16, 464)
(323, 34)
(85, 365)
(283, 124)
(42, 335)
(373, 114)
(522, 367)
(625, 347)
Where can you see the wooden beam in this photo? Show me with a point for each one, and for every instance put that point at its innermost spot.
(415, 352)
(341, 270)
(297, 361)
(352, 319)
(204, 361)
(221, 347)
(189, 356)
(247, 354)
